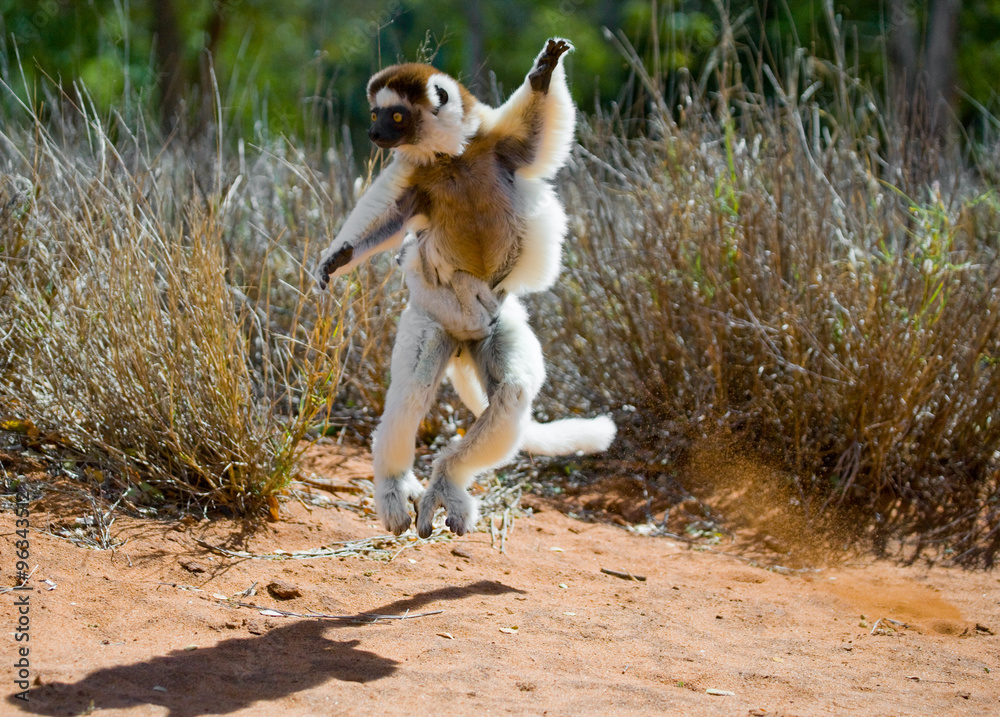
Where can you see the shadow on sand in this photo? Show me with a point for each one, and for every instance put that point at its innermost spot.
(238, 672)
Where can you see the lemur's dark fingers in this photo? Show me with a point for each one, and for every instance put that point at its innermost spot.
(338, 259)
(488, 302)
(541, 74)
(556, 48)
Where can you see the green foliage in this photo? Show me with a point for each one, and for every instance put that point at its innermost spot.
(281, 66)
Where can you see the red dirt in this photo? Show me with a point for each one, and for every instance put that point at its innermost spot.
(119, 624)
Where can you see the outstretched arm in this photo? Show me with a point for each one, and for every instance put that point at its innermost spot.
(377, 223)
(536, 125)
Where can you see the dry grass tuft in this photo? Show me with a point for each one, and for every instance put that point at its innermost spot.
(763, 271)
(164, 330)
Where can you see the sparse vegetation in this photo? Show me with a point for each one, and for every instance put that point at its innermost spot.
(765, 263)
(157, 319)
(769, 276)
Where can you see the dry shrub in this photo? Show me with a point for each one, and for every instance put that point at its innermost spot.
(156, 317)
(758, 270)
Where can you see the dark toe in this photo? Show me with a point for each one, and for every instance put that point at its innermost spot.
(456, 526)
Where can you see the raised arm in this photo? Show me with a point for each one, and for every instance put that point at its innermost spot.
(377, 223)
(535, 126)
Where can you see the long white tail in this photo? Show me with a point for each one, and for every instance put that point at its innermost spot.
(569, 435)
(556, 438)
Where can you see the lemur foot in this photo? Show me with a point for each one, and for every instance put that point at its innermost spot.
(392, 499)
(462, 508)
(541, 74)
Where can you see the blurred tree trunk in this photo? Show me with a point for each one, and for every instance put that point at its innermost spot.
(610, 13)
(903, 58)
(923, 87)
(474, 59)
(939, 59)
(923, 77)
(206, 67)
(169, 61)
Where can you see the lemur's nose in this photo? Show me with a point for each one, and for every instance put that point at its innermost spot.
(374, 135)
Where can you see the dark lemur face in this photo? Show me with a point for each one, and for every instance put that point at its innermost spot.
(393, 126)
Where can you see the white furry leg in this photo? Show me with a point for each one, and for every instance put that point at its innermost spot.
(419, 358)
(511, 362)
(492, 441)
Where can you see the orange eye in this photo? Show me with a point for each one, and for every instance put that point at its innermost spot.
(397, 117)
(374, 116)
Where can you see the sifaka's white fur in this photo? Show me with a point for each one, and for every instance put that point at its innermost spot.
(568, 436)
(491, 355)
(446, 130)
(559, 124)
(541, 243)
(387, 97)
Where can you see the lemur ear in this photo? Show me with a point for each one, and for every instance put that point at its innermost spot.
(442, 96)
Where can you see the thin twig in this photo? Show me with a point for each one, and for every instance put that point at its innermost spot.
(624, 575)
(364, 617)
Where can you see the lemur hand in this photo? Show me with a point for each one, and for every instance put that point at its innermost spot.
(467, 309)
(541, 74)
(477, 320)
(327, 266)
(489, 301)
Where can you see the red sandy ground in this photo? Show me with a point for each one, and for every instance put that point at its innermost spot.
(117, 625)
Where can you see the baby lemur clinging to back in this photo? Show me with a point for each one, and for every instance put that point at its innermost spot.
(469, 184)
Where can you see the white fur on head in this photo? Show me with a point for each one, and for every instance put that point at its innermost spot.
(446, 128)
(386, 97)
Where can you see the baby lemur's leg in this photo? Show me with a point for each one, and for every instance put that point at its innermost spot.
(419, 359)
(509, 362)
(466, 307)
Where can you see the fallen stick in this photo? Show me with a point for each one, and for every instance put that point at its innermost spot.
(624, 575)
(332, 487)
(915, 678)
(364, 617)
